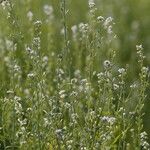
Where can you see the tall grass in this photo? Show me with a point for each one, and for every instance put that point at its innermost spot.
(63, 87)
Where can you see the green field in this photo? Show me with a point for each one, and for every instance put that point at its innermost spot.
(74, 74)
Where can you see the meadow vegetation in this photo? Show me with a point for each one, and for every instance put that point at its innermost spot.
(74, 75)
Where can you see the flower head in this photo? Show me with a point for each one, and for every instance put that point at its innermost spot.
(107, 64)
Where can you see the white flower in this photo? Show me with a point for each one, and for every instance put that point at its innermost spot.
(107, 22)
(108, 119)
(121, 71)
(74, 29)
(30, 15)
(48, 10)
(133, 86)
(58, 131)
(100, 18)
(145, 70)
(61, 92)
(73, 93)
(38, 23)
(83, 81)
(143, 135)
(30, 75)
(45, 59)
(16, 68)
(116, 86)
(107, 64)
(91, 3)
(139, 47)
(5, 3)
(100, 75)
(10, 92)
(46, 122)
(109, 30)
(9, 44)
(83, 27)
(16, 98)
(67, 105)
(60, 71)
(77, 73)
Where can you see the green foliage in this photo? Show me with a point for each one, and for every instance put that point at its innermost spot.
(74, 75)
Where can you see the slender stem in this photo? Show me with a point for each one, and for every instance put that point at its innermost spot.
(65, 25)
(66, 57)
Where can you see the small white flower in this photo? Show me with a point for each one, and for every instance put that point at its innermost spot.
(30, 15)
(145, 70)
(46, 122)
(143, 135)
(107, 22)
(5, 4)
(100, 18)
(83, 148)
(100, 75)
(10, 92)
(67, 105)
(77, 73)
(83, 81)
(107, 64)
(16, 68)
(139, 47)
(61, 92)
(73, 93)
(45, 59)
(83, 27)
(74, 29)
(133, 86)
(17, 98)
(116, 86)
(108, 119)
(31, 75)
(91, 3)
(58, 131)
(48, 10)
(29, 109)
(109, 30)
(9, 44)
(37, 23)
(60, 71)
(121, 70)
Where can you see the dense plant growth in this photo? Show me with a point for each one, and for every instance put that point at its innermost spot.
(63, 87)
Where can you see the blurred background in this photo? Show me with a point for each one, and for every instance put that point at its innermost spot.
(132, 27)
